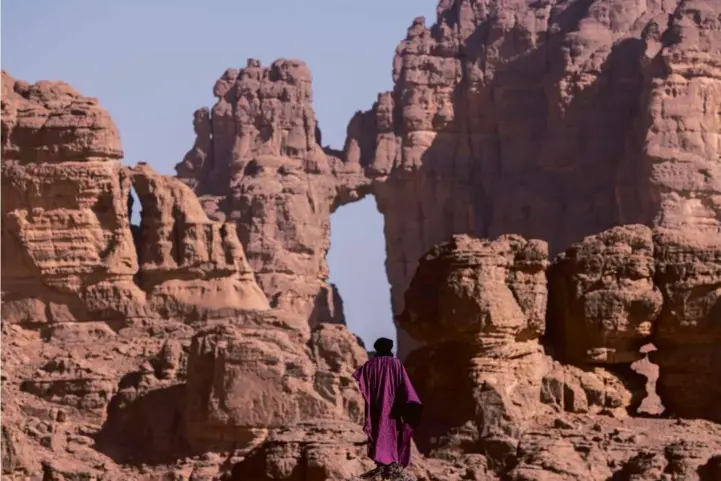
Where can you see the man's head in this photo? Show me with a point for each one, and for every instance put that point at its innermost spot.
(383, 346)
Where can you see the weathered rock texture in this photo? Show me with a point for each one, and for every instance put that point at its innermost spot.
(257, 162)
(186, 260)
(207, 344)
(550, 119)
(688, 330)
(69, 253)
(128, 344)
(480, 306)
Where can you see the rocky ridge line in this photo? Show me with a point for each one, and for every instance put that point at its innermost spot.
(553, 120)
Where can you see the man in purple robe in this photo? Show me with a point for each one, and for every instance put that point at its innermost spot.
(392, 407)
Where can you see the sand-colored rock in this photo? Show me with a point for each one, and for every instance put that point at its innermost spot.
(186, 260)
(267, 371)
(312, 450)
(604, 300)
(68, 247)
(97, 314)
(248, 379)
(681, 129)
(263, 168)
(196, 347)
(50, 122)
(617, 291)
(68, 251)
(480, 306)
(552, 120)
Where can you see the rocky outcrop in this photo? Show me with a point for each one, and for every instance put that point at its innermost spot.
(111, 332)
(680, 129)
(552, 120)
(604, 300)
(688, 330)
(50, 122)
(69, 250)
(186, 260)
(481, 307)
(614, 293)
(258, 162)
(207, 343)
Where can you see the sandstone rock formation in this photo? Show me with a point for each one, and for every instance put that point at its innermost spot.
(206, 343)
(111, 332)
(69, 251)
(552, 120)
(257, 162)
(688, 330)
(490, 387)
(480, 306)
(629, 286)
(186, 260)
(605, 302)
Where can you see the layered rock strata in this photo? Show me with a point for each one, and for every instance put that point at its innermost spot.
(111, 332)
(553, 120)
(688, 330)
(257, 162)
(127, 357)
(69, 252)
(614, 293)
(480, 306)
(186, 260)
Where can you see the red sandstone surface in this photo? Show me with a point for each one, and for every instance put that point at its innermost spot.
(550, 179)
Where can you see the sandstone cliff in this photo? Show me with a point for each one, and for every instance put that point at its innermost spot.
(257, 162)
(112, 332)
(528, 385)
(206, 343)
(551, 120)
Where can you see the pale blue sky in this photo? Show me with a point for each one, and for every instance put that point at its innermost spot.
(153, 62)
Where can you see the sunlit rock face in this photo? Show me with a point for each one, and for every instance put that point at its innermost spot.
(257, 163)
(551, 120)
(206, 342)
(480, 307)
(138, 344)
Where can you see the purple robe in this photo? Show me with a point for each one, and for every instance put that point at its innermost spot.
(388, 392)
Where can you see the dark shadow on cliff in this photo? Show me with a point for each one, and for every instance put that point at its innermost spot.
(524, 155)
(562, 347)
(144, 427)
(327, 307)
(711, 471)
(448, 401)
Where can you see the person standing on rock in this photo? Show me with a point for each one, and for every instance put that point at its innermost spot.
(392, 407)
